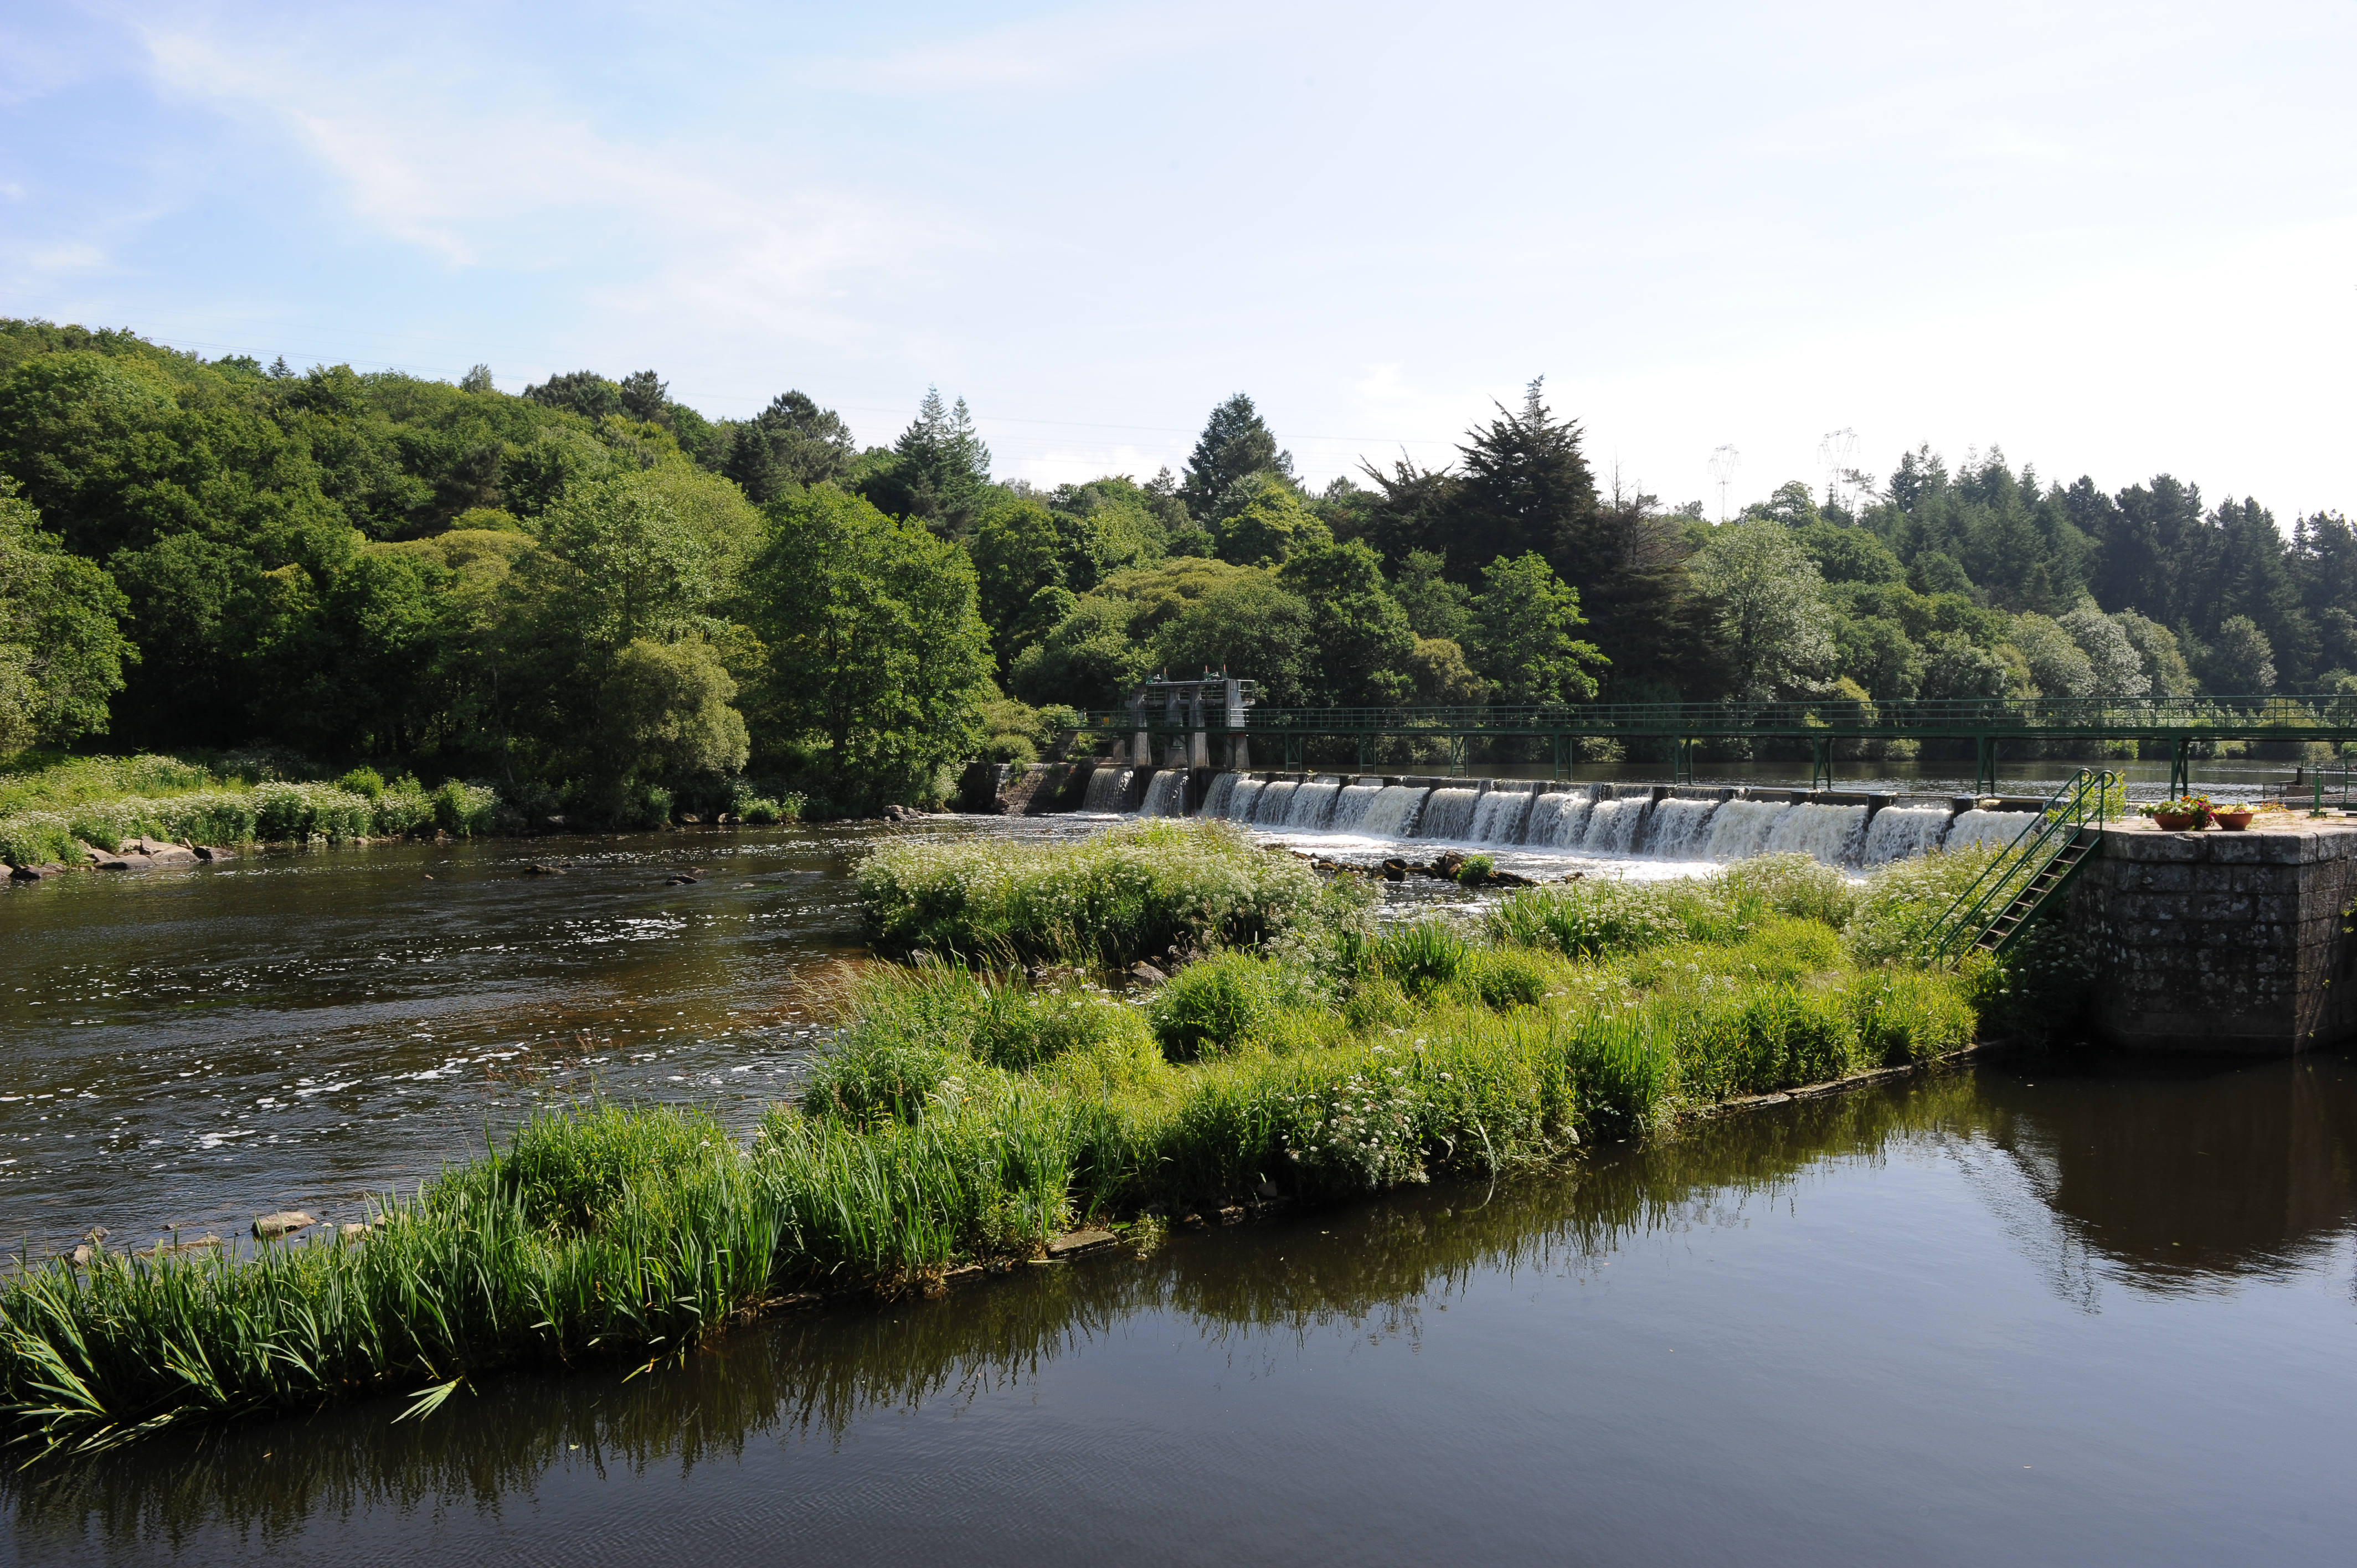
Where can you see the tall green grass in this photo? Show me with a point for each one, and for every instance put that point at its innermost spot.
(965, 1115)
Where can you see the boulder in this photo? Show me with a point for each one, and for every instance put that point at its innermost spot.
(536, 869)
(675, 881)
(214, 853)
(1146, 972)
(1072, 1244)
(35, 873)
(554, 819)
(351, 1231)
(122, 863)
(160, 853)
(282, 1222)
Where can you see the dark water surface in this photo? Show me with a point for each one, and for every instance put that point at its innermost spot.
(191, 1047)
(2029, 1313)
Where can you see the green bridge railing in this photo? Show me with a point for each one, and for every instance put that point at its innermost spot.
(2182, 723)
(1999, 903)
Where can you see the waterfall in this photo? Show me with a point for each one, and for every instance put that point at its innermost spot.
(1108, 790)
(1247, 797)
(1559, 819)
(1220, 795)
(1499, 816)
(1391, 814)
(1276, 802)
(1680, 829)
(1166, 794)
(1826, 832)
(1612, 826)
(1972, 828)
(1350, 808)
(1899, 832)
(1740, 829)
(1313, 806)
(1448, 814)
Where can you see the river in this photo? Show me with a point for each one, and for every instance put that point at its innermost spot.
(2059, 1309)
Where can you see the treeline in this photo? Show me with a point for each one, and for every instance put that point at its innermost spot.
(601, 601)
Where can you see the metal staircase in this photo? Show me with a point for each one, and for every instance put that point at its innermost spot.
(2004, 898)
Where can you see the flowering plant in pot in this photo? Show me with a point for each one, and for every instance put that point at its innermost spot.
(2232, 817)
(2176, 815)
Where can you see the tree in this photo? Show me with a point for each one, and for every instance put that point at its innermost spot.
(939, 468)
(1251, 625)
(61, 648)
(791, 442)
(1768, 606)
(1235, 444)
(2159, 655)
(1088, 659)
(1526, 487)
(2241, 662)
(1359, 636)
(667, 712)
(1955, 666)
(1412, 511)
(1262, 521)
(1876, 653)
(585, 393)
(876, 657)
(1525, 645)
(1435, 605)
(2115, 665)
(2057, 665)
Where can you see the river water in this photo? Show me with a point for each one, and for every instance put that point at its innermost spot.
(2060, 1309)
(2026, 1314)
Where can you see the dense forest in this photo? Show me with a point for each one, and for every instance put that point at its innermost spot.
(598, 600)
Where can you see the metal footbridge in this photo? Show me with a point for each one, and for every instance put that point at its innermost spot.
(1218, 723)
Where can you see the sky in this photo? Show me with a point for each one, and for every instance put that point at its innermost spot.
(2106, 240)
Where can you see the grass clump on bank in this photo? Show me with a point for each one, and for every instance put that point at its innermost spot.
(966, 1114)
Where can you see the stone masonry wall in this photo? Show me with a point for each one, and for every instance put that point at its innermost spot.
(2221, 941)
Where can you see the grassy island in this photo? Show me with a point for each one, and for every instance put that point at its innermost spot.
(1015, 1077)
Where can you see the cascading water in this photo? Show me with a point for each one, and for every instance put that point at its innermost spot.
(1740, 829)
(1393, 813)
(1313, 806)
(1612, 826)
(1245, 798)
(1108, 790)
(1350, 808)
(1897, 831)
(1222, 794)
(1166, 794)
(1972, 828)
(1448, 814)
(1680, 829)
(1276, 803)
(1828, 834)
(1557, 818)
(1499, 816)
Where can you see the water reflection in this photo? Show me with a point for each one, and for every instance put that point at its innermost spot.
(2170, 1182)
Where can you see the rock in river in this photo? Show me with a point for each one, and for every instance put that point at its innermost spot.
(284, 1222)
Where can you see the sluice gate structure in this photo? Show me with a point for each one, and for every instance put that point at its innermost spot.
(1220, 723)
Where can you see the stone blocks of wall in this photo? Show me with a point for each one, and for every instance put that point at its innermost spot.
(2221, 941)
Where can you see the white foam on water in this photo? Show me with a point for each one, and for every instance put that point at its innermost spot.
(1897, 831)
(1612, 826)
(1680, 829)
(1222, 794)
(1740, 829)
(1557, 819)
(1108, 790)
(1972, 828)
(1393, 813)
(1313, 806)
(1166, 794)
(1499, 816)
(1448, 814)
(1276, 803)
(1350, 808)
(1828, 834)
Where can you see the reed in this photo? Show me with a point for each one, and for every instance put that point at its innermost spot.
(967, 1116)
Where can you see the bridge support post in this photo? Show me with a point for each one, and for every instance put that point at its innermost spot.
(1820, 762)
(1456, 756)
(1558, 738)
(1682, 760)
(2181, 769)
(1985, 765)
(1297, 753)
(1366, 744)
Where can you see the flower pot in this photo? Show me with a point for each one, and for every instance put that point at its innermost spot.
(2233, 821)
(2172, 821)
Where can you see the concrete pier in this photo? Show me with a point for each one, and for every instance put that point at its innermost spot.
(2221, 941)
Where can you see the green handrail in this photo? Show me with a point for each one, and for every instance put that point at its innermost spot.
(2092, 794)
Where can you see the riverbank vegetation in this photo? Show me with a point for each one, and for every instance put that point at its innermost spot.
(999, 1089)
(604, 605)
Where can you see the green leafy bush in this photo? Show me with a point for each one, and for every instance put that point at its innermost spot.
(1223, 1003)
(463, 810)
(37, 838)
(1903, 901)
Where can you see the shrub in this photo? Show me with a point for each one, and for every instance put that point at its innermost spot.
(1114, 898)
(464, 809)
(1795, 885)
(1422, 956)
(1500, 978)
(1230, 1000)
(1475, 870)
(1594, 920)
(403, 810)
(37, 838)
(759, 812)
(366, 781)
(1903, 902)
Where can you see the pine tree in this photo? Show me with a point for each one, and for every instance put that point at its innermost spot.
(1526, 487)
(1235, 444)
